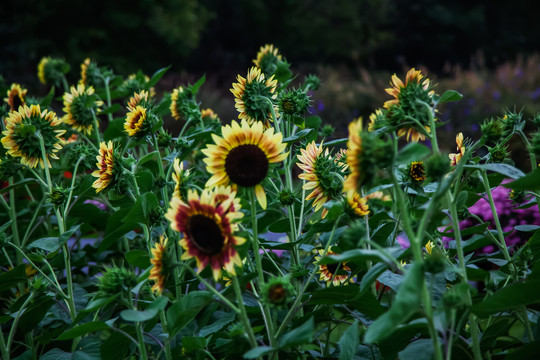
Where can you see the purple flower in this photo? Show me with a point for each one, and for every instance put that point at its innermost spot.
(96, 203)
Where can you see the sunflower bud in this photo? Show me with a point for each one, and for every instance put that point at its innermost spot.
(294, 102)
(277, 292)
(327, 130)
(286, 197)
(57, 196)
(51, 71)
(355, 234)
(535, 144)
(536, 120)
(164, 139)
(116, 280)
(312, 82)
(437, 165)
(512, 120)
(492, 129)
(435, 260)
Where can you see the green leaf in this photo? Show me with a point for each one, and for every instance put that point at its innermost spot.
(421, 349)
(406, 302)
(280, 226)
(111, 109)
(17, 184)
(258, 352)
(413, 152)
(218, 324)
(349, 341)
(116, 346)
(192, 343)
(184, 310)
(83, 329)
(156, 77)
(356, 255)
(144, 315)
(13, 277)
(195, 87)
(450, 95)
(313, 122)
(526, 228)
(52, 244)
(505, 299)
(55, 354)
(336, 142)
(505, 169)
(46, 101)
(527, 351)
(372, 275)
(299, 135)
(301, 335)
(138, 258)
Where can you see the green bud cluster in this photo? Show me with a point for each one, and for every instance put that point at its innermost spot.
(492, 130)
(57, 196)
(277, 292)
(312, 82)
(437, 165)
(287, 197)
(116, 280)
(294, 102)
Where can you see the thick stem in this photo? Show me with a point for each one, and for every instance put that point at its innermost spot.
(243, 314)
(258, 262)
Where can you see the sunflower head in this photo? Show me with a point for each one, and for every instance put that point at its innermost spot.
(294, 102)
(208, 223)
(357, 204)
(255, 96)
(417, 172)
(407, 104)
(162, 264)
(116, 280)
(277, 292)
(322, 173)
(181, 178)
(51, 71)
(243, 156)
(136, 83)
(141, 98)
(109, 168)
(492, 129)
(377, 119)
(81, 105)
(92, 74)
(23, 131)
(335, 274)
(184, 103)
(499, 153)
(137, 122)
(16, 96)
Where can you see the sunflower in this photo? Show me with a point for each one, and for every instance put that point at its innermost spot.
(106, 167)
(417, 172)
(179, 176)
(138, 98)
(85, 65)
(16, 96)
(160, 265)
(319, 172)
(250, 93)
(136, 123)
(358, 204)
(80, 106)
(354, 152)
(405, 104)
(208, 223)
(243, 155)
(41, 69)
(209, 114)
(20, 140)
(455, 158)
(341, 270)
(267, 59)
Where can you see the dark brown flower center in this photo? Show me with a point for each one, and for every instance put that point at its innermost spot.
(332, 268)
(277, 293)
(206, 234)
(246, 165)
(17, 101)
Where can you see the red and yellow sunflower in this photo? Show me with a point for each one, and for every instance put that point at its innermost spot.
(335, 274)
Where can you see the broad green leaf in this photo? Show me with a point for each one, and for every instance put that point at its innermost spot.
(526, 227)
(56, 354)
(372, 275)
(184, 310)
(192, 343)
(116, 346)
(505, 169)
(258, 352)
(450, 95)
(11, 278)
(83, 329)
(147, 314)
(35, 313)
(298, 336)
(348, 343)
(17, 184)
(52, 244)
(280, 226)
(527, 351)
(361, 255)
(406, 302)
(336, 142)
(156, 77)
(195, 87)
(505, 299)
(313, 122)
(299, 135)
(218, 324)
(138, 258)
(531, 182)
(46, 101)
(421, 349)
(111, 109)
(413, 152)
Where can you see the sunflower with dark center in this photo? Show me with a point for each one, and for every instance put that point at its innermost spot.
(16, 97)
(340, 272)
(208, 224)
(251, 95)
(322, 173)
(20, 138)
(139, 98)
(357, 204)
(405, 105)
(417, 172)
(107, 167)
(267, 59)
(243, 156)
(161, 265)
(277, 292)
(180, 177)
(137, 122)
(80, 106)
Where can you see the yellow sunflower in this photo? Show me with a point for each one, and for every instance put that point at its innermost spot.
(41, 69)
(404, 104)
(354, 146)
(85, 65)
(138, 98)
(78, 106)
(249, 93)
(357, 203)
(455, 158)
(267, 59)
(106, 167)
(179, 176)
(319, 172)
(16, 96)
(136, 121)
(20, 140)
(160, 265)
(208, 224)
(243, 155)
(341, 270)
(417, 171)
(209, 113)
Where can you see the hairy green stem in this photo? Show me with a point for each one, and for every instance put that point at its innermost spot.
(243, 314)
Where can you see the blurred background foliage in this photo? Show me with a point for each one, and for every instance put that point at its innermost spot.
(484, 49)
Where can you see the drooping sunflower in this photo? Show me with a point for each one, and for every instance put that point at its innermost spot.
(41, 69)
(357, 204)
(267, 58)
(243, 156)
(106, 167)
(405, 104)
(138, 98)
(208, 225)
(253, 94)
(179, 176)
(417, 171)
(16, 96)
(339, 271)
(85, 65)
(354, 146)
(80, 106)
(455, 158)
(20, 135)
(319, 172)
(161, 265)
(136, 123)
